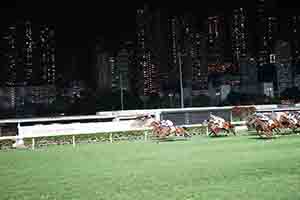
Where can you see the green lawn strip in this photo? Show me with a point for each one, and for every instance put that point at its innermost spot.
(201, 168)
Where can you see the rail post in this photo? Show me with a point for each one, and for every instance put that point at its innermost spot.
(145, 135)
(186, 118)
(206, 129)
(73, 141)
(33, 143)
(19, 140)
(111, 137)
(158, 116)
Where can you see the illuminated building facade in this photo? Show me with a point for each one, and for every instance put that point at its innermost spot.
(199, 63)
(266, 31)
(29, 62)
(174, 39)
(47, 55)
(9, 77)
(147, 65)
(215, 27)
(294, 30)
(11, 57)
(239, 35)
(28, 53)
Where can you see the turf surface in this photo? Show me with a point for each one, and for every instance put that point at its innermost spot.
(201, 168)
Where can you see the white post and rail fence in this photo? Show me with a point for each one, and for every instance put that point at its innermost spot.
(117, 121)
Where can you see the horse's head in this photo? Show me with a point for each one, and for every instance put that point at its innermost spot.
(154, 123)
(150, 121)
(145, 120)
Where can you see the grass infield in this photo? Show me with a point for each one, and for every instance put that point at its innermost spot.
(241, 167)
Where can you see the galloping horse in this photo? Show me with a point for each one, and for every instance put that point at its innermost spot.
(217, 124)
(286, 120)
(295, 117)
(263, 124)
(161, 131)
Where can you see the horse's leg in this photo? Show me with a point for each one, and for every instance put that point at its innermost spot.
(277, 130)
(155, 133)
(294, 129)
(258, 132)
(186, 133)
(212, 132)
(215, 132)
(233, 131)
(226, 130)
(269, 133)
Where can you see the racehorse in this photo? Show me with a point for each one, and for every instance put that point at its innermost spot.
(286, 120)
(264, 124)
(217, 124)
(262, 127)
(161, 131)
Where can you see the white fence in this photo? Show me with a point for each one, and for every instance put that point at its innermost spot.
(118, 121)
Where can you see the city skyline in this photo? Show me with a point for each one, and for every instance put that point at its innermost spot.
(75, 46)
(148, 50)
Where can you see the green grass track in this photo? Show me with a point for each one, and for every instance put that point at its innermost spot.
(232, 168)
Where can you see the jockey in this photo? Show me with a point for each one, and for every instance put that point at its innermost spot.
(168, 123)
(292, 118)
(265, 118)
(217, 120)
(262, 117)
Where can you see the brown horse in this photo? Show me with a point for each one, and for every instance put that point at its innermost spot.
(162, 132)
(285, 121)
(215, 129)
(253, 121)
(262, 128)
(159, 131)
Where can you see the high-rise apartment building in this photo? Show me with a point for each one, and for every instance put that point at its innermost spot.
(11, 57)
(215, 28)
(104, 66)
(294, 31)
(47, 55)
(267, 29)
(199, 63)
(239, 35)
(174, 43)
(283, 65)
(29, 59)
(28, 53)
(147, 62)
